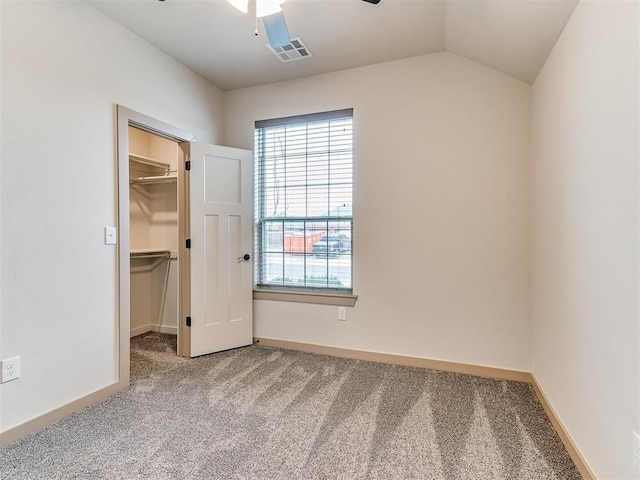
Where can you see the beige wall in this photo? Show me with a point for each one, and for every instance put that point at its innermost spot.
(442, 232)
(441, 205)
(64, 67)
(585, 233)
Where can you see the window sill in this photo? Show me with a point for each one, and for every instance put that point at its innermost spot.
(339, 299)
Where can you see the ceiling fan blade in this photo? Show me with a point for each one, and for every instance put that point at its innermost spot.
(267, 7)
(375, 2)
(276, 29)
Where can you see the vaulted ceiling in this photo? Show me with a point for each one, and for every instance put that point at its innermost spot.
(217, 41)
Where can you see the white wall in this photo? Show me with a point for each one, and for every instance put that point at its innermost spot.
(585, 232)
(64, 67)
(441, 205)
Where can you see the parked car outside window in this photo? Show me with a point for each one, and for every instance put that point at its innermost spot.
(332, 245)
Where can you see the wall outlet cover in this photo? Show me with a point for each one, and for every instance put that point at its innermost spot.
(10, 369)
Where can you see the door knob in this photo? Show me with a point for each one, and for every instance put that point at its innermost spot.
(245, 258)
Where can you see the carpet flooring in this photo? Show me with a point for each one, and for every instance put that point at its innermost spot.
(264, 413)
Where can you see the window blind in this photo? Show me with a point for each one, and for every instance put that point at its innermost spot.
(304, 194)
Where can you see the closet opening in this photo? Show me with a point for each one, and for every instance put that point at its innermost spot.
(151, 222)
(153, 233)
(185, 233)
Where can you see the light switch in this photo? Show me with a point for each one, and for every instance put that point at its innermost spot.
(110, 235)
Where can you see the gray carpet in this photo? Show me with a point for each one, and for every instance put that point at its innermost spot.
(263, 413)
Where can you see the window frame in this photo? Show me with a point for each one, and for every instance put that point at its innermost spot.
(290, 293)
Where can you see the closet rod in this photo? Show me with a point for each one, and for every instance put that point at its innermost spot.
(151, 255)
(156, 179)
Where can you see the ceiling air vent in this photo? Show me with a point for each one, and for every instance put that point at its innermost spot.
(295, 50)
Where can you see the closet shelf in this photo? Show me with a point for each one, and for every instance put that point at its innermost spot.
(154, 180)
(152, 253)
(149, 161)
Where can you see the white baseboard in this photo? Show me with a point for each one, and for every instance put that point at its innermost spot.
(153, 328)
(165, 329)
(405, 360)
(140, 330)
(59, 413)
(481, 371)
(569, 444)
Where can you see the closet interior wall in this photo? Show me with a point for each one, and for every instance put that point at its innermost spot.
(153, 214)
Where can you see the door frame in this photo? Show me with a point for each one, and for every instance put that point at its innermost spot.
(126, 117)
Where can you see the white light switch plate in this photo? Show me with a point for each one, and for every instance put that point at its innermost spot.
(110, 235)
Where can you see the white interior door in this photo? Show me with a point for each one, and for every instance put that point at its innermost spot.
(220, 230)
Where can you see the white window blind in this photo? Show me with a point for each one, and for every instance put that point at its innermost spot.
(304, 185)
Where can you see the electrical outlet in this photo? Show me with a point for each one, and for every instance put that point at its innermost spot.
(342, 313)
(10, 369)
(636, 450)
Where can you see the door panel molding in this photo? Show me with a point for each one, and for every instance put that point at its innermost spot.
(221, 284)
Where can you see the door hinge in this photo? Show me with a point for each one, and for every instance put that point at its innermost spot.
(187, 165)
(188, 243)
(188, 321)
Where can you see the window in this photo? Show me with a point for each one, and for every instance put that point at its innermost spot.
(304, 219)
